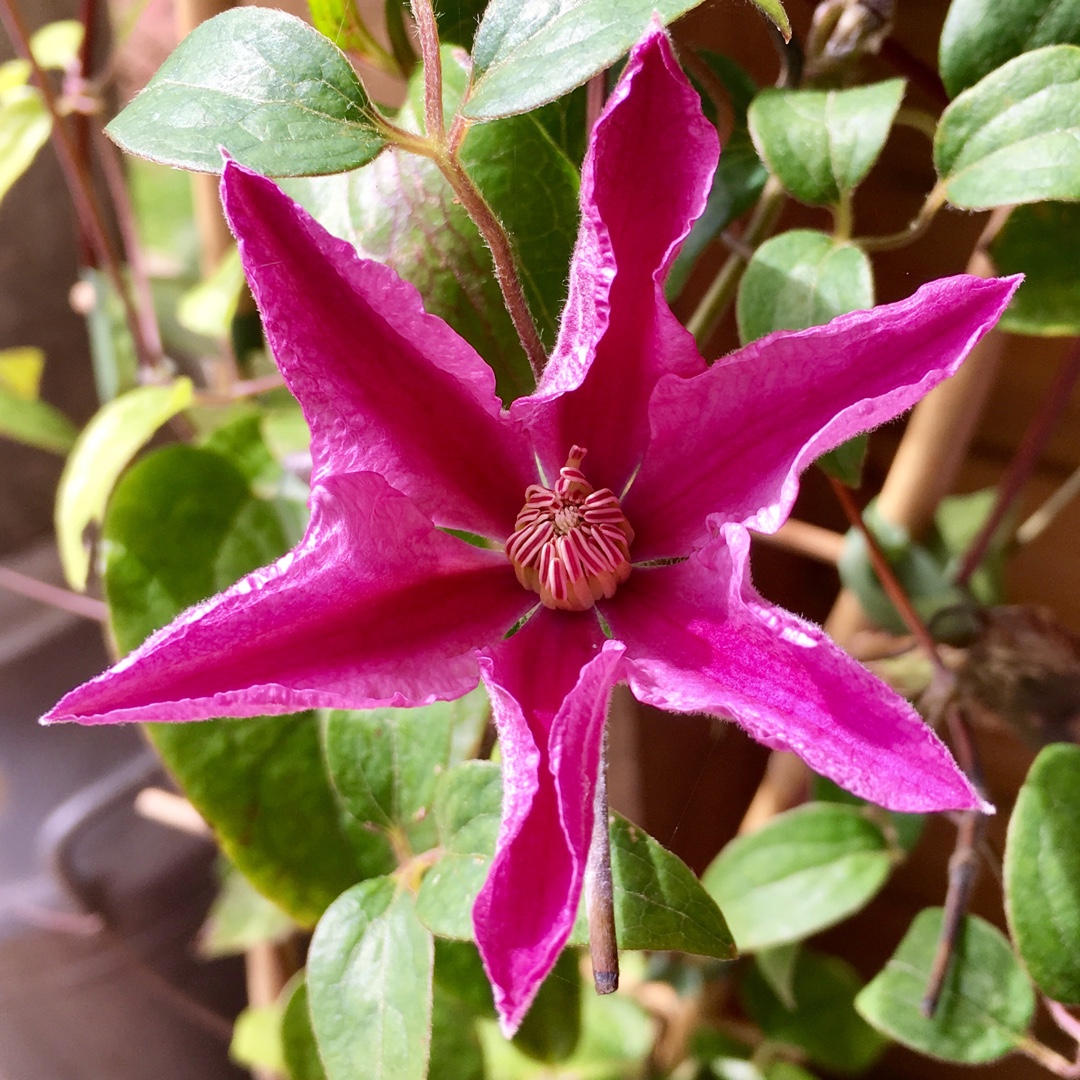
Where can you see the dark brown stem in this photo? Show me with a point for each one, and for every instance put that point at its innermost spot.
(91, 216)
(599, 901)
(52, 595)
(1037, 435)
(427, 30)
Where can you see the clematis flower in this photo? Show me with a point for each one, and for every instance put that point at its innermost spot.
(615, 501)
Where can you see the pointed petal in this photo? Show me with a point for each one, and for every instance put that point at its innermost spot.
(700, 639)
(375, 607)
(384, 386)
(734, 440)
(549, 686)
(644, 182)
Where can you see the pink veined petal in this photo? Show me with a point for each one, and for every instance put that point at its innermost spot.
(644, 182)
(375, 607)
(549, 687)
(385, 387)
(700, 639)
(734, 440)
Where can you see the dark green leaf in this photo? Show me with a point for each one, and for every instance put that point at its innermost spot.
(456, 1053)
(181, 525)
(271, 90)
(1042, 872)
(805, 870)
(369, 985)
(980, 35)
(986, 1005)
(527, 54)
(459, 974)
(1041, 242)
(552, 1026)
(659, 903)
(824, 1022)
(777, 968)
(384, 764)
(297, 1039)
(1014, 137)
(822, 143)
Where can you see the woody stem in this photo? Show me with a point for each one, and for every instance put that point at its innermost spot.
(599, 901)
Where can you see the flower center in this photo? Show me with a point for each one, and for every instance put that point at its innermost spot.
(571, 545)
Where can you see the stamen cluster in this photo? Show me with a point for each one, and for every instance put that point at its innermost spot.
(571, 545)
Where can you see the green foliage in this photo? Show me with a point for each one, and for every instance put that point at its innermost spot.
(552, 1026)
(986, 1005)
(181, 525)
(804, 278)
(525, 55)
(24, 417)
(981, 35)
(299, 1049)
(1042, 872)
(1041, 242)
(99, 456)
(1013, 137)
(823, 1021)
(456, 1053)
(240, 917)
(805, 870)
(25, 126)
(369, 985)
(271, 90)
(256, 1041)
(822, 143)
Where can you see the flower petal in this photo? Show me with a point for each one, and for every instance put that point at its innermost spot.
(375, 607)
(700, 639)
(734, 440)
(644, 182)
(549, 686)
(384, 386)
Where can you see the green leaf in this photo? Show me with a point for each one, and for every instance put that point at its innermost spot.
(100, 455)
(271, 90)
(659, 903)
(14, 74)
(799, 279)
(342, 23)
(21, 369)
(901, 830)
(298, 1045)
(527, 54)
(822, 143)
(777, 968)
(824, 1022)
(402, 212)
(240, 917)
(805, 870)
(804, 278)
(1040, 242)
(981, 35)
(181, 525)
(369, 985)
(986, 1006)
(1042, 872)
(256, 1041)
(57, 44)
(552, 1026)
(35, 423)
(208, 307)
(384, 764)
(25, 126)
(1014, 137)
(456, 1053)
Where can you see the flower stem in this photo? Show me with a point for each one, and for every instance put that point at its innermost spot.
(428, 33)
(1035, 438)
(1047, 1058)
(599, 902)
(52, 595)
(88, 209)
(721, 292)
(918, 225)
(1044, 516)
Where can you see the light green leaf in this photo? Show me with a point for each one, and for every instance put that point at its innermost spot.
(57, 44)
(100, 455)
(14, 75)
(182, 525)
(805, 870)
(208, 308)
(369, 985)
(342, 23)
(20, 372)
(1041, 242)
(527, 54)
(822, 143)
(1014, 137)
(256, 1041)
(25, 126)
(240, 917)
(1042, 872)
(35, 423)
(986, 1006)
(777, 967)
(271, 90)
(981, 35)
(823, 1021)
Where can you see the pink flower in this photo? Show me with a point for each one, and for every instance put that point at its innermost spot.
(380, 605)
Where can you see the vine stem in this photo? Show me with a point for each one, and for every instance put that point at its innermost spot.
(428, 33)
(599, 898)
(88, 208)
(919, 224)
(1048, 1059)
(1035, 438)
(45, 592)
